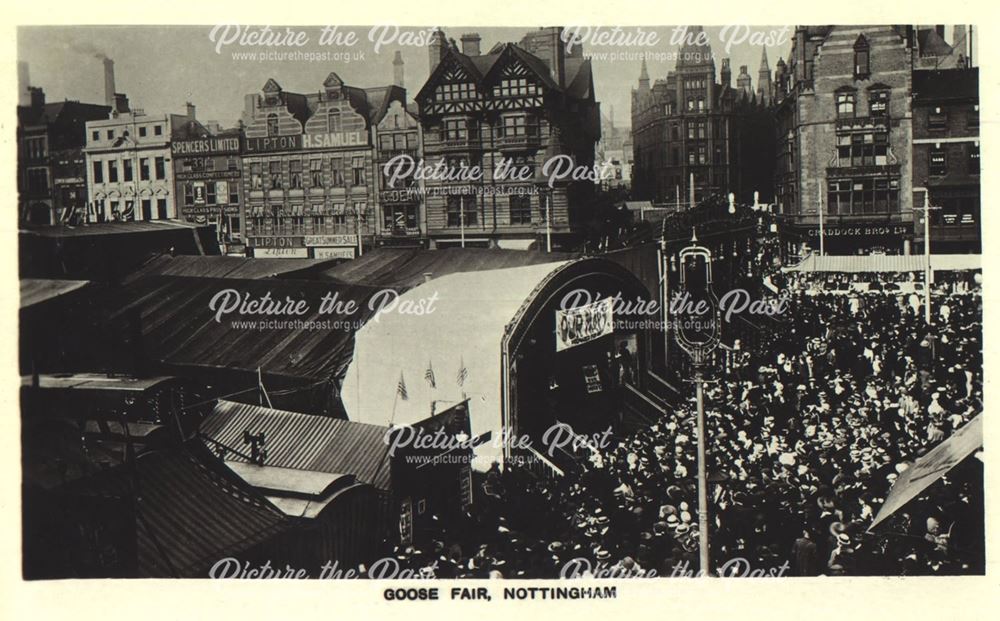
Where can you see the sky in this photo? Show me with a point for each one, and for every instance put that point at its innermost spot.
(162, 67)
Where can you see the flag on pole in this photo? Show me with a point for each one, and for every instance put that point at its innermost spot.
(463, 373)
(401, 388)
(429, 375)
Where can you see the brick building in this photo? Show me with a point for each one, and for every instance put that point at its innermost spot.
(208, 183)
(946, 157)
(691, 127)
(518, 104)
(308, 169)
(844, 135)
(51, 167)
(401, 219)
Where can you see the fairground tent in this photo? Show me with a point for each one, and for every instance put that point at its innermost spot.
(407, 366)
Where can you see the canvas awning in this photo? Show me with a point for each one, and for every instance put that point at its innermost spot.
(931, 467)
(874, 263)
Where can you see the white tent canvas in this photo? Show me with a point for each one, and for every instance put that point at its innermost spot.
(471, 311)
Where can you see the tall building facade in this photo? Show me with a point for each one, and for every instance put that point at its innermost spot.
(130, 165)
(51, 166)
(694, 136)
(208, 182)
(400, 201)
(844, 133)
(505, 113)
(946, 158)
(308, 169)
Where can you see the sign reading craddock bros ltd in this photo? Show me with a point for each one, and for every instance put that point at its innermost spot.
(583, 324)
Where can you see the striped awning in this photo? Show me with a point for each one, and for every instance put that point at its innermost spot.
(853, 264)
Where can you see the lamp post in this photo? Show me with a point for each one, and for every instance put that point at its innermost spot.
(698, 336)
(928, 272)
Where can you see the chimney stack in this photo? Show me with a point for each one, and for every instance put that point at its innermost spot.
(36, 96)
(120, 104)
(436, 47)
(726, 73)
(959, 39)
(109, 82)
(190, 110)
(470, 44)
(397, 70)
(23, 82)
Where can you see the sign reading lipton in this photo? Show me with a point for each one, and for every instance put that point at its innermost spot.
(274, 143)
(576, 326)
(297, 142)
(333, 140)
(201, 146)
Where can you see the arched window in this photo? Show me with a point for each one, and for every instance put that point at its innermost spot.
(272, 124)
(333, 120)
(862, 58)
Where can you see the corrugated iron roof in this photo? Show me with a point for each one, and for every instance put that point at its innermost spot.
(179, 327)
(195, 515)
(304, 441)
(405, 268)
(37, 290)
(221, 266)
(108, 228)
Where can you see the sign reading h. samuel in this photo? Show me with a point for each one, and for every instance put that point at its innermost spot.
(576, 326)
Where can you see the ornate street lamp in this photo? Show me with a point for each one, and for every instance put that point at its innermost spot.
(698, 335)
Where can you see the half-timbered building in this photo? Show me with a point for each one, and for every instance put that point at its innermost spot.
(505, 114)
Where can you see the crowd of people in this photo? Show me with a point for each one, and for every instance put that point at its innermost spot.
(806, 433)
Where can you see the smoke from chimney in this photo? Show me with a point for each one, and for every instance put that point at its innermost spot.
(397, 70)
(109, 81)
(23, 82)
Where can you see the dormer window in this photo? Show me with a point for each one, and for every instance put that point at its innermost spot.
(272, 124)
(862, 58)
(333, 121)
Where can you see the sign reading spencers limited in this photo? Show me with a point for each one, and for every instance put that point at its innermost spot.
(576, 326)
